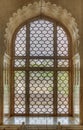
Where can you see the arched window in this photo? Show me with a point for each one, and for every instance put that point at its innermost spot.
(42, 69)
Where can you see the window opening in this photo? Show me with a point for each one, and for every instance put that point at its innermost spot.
(42, 69)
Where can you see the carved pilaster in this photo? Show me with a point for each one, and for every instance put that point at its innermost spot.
(1, 88)
(2, 50)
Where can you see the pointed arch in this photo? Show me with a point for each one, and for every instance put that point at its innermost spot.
(33, 10)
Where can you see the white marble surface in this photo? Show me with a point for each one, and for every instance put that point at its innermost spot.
(42, 120)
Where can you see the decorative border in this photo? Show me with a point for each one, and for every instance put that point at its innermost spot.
(33, 10)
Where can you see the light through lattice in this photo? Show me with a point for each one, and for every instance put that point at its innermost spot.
(41, 38)
(20, 42)
(62, 42)
(63, 92)
(41, 92)
(42, 64)
(19, 100)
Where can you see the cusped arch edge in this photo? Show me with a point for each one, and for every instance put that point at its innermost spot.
(33, 10)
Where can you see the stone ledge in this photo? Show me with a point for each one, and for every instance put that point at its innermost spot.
(42, 127)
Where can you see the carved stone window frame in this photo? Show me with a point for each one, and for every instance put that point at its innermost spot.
(33, 10)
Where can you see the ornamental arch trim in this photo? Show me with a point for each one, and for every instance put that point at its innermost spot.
(50, 10)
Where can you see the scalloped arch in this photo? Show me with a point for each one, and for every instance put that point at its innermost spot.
(32, 10)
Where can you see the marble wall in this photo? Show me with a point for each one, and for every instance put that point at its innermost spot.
(75, 7)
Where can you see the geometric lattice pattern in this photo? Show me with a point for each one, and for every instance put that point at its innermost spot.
(63, 92)
(41, 62)
(20, 42)
(41, 92)
(62, 42)
(41, 38)
(63, 63)
(19, 86)
(42, 69)
(20, 62)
